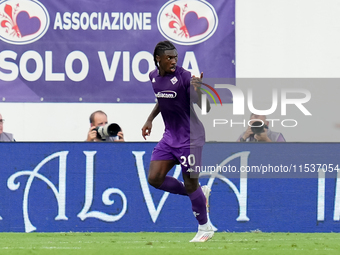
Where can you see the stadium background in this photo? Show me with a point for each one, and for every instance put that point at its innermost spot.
(285, 39)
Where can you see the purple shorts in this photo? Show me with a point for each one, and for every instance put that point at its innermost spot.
(189, 158)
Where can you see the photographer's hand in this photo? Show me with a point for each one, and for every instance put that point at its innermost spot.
(120, 136)
(247, 133)
(262, 137)
(92, 135)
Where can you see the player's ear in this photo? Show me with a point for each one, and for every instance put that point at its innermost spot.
(158, 58)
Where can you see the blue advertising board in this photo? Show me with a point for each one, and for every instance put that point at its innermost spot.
(102, 187)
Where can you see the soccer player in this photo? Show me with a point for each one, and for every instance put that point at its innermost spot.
(184, 135)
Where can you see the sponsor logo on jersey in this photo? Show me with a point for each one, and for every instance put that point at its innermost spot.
(166, 94)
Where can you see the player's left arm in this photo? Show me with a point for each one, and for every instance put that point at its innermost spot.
(196, 82)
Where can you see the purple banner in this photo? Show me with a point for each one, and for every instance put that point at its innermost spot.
(102, 51)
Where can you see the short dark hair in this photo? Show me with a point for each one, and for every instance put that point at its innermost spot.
(94, 113)
(253, 114)
(160, 48)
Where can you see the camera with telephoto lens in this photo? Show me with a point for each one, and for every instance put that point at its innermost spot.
(109, 130)
(258, 127)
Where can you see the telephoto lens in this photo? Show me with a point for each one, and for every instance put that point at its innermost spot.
(257, 127)
(109, 130)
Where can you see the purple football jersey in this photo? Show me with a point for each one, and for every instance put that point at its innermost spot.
(175, 97)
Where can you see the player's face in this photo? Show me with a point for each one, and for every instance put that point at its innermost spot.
(100, 119)
(168, 61)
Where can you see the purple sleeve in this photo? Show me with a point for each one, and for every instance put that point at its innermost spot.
(280, 138)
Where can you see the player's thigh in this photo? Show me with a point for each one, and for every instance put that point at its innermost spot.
(162, 160)
(159, 169)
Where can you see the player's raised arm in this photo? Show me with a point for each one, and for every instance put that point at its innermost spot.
(197, 83)
(146, 129)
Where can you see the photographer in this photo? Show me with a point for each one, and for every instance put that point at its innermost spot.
(5, 137)
(261, 132)
(99, 119)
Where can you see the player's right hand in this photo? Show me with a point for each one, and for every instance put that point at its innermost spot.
(146, 129)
